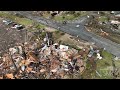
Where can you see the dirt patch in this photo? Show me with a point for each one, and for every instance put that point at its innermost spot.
(49, 29)
(68, 39)
(9, 37)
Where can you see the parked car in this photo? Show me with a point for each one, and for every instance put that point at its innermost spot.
(17, 26)
(77, 25)
(7, 22)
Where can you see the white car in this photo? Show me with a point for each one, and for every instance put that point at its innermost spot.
(16, 26)
(88, 16)
(77, 25)
(7, 22)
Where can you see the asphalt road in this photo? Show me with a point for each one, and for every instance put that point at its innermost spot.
(81, 32)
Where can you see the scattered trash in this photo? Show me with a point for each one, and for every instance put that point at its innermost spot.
(116, 58)
(98, 56)
(23, 67)
(63, 48)
(12, 50)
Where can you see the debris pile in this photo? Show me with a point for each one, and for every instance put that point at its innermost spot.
(50, 61)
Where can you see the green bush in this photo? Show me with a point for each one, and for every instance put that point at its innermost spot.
(43, 34)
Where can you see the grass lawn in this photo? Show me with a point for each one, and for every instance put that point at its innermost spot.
(23, 21)
(105, 74)
(103, 18)
(106, 61)
(39, 26)
(68, 16)
(57, 34)
(117, 63)
(89, 73)
(105, 65)
(114, 38)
